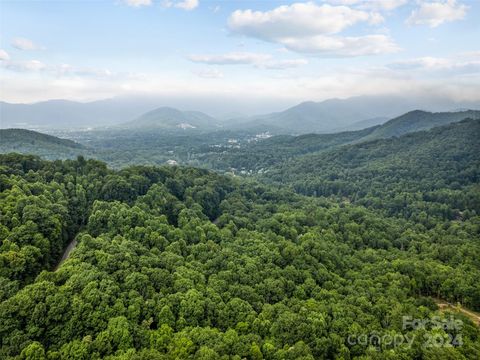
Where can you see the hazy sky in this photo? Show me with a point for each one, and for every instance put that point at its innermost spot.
(281, 50)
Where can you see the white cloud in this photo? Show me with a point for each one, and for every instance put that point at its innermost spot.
(4, 55)
(337, 46)
(181, 4)
(470, 55)
(70, 70)
(379, 5)
(187, 4)
(63, 70)
(282, 64)
(385, 4)
(460, 64)
(230, 58)
(25, 44)
(423, 63)
(209, 73)
(311, 28)
(376, 18)
(25, 66)
(138, 3)
(299, 19)
(434, 14)
(264, 61)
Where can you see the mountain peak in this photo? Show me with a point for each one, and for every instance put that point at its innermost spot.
(418, 120)
(170, 118)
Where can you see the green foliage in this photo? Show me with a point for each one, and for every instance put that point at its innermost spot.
(183, 263)
(419, 120)
(425, 176)
(32, 142)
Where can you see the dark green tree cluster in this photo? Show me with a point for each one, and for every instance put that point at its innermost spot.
(427, 177)
(182, 263)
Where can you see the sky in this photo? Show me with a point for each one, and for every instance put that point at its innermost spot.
(271, 51)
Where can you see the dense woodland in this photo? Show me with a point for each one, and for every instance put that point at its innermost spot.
(278, 150)
(32, 142)
(183, 263)
(259, 156)
(433, 175)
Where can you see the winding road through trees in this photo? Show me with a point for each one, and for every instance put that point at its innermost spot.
(67, 252)
(445, 305)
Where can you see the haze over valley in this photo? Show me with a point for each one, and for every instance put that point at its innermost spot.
(331, 115)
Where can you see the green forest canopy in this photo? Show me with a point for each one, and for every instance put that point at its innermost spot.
(177, 263)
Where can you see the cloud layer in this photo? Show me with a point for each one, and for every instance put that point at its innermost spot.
(138, 3)
(314, 29)
(274, 38)
(4, 55)
(461, 64)
(380, 5)
(338, 46)
(264, 61)
(434, 14)
(180, 4)
(183, 4)
(297, 20)
(209, 73)
(25, 44)
(58, 71)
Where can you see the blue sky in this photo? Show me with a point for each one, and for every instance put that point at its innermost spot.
(286, 51)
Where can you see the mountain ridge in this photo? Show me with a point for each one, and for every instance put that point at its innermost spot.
(172, 118)
(366, 164)
(331, 115)
(33, 142)
(334, 115)
(418, 120)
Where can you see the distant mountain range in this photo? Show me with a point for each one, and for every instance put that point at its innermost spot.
(65, 114)
(259, 156)
(317, 117)
(412, 121)
(336, 115)
(170, 118)
(255, 156)
(309, 117)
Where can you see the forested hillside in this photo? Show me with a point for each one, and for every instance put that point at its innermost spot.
(277, 150)
(261, 155)
(181, 263)
(33, 142)
(170, 118)
(436, 170)
(417, 121)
